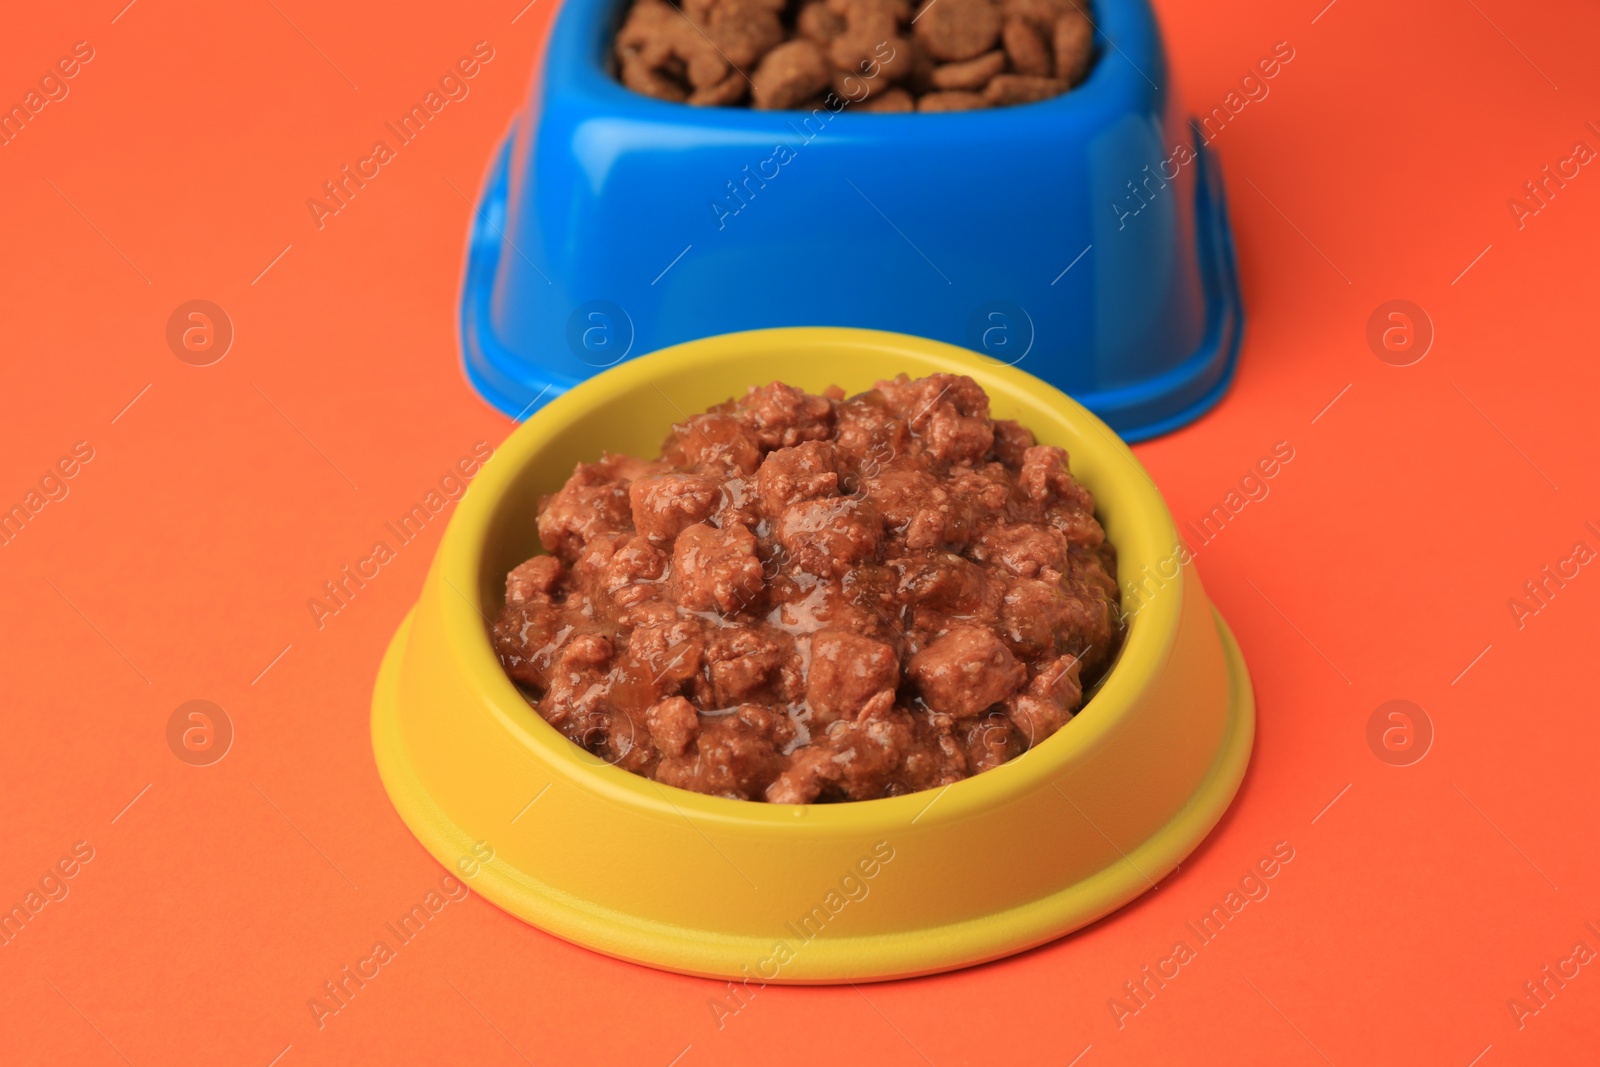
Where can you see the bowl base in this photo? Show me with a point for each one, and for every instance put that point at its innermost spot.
(823, 961)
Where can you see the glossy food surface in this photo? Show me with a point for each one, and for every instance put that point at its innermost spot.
(815, 598)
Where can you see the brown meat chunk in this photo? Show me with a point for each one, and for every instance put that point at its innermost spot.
(983, 496)
(1050, 699)
(1037, 618)
(589, 504)
(824, 537)
(966, 671)
(662, 505)
(670, 653)
(748, 664)
(733, 755)
(717, 570)
(914, 506)
(1025, 550)
(632, 572)
(991, 741)
(790, 475)
(674, 724)
(1076, 524)
(788, 74)
(1011, 441)
(537, 577)
(935, 758)
(957, 29)
(1046, 476)
(525, 639)
(781, 416)
(969, 74)
(916, 400)
(867, 434)
(715, 443)
(949, 411)
(846, 671)
(950, 583)
(852, 761)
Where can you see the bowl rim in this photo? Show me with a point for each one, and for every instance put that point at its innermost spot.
(578, 55)
(1147, 534)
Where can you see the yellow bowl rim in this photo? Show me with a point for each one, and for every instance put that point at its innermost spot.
(1153, 629)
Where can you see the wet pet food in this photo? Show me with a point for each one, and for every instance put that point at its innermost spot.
(817, 597)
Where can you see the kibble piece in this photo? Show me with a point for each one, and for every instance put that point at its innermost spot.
(1041, 13)
(658, 49)
(1006, 89)
(953, 30)
(953, 100)
(700, 10)
(891, 99)
(881, 58)
(790, 73)
(972, 74)
(646, 21)
(873, 18)
(729, 90)
(743, 30)
(641, 77)
(1027, 48)
(920, 77)
(853, 88)
(816, 23)
(1074, 41)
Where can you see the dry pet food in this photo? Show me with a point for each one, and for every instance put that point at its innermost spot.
(875, 55)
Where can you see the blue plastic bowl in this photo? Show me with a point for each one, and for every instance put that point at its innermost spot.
(1084, 238)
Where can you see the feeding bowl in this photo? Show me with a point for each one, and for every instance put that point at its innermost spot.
(1084, 822)
(1083, 237)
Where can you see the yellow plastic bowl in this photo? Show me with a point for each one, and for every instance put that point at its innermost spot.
(877, 889)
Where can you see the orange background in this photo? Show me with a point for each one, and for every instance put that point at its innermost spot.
(180, 563)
